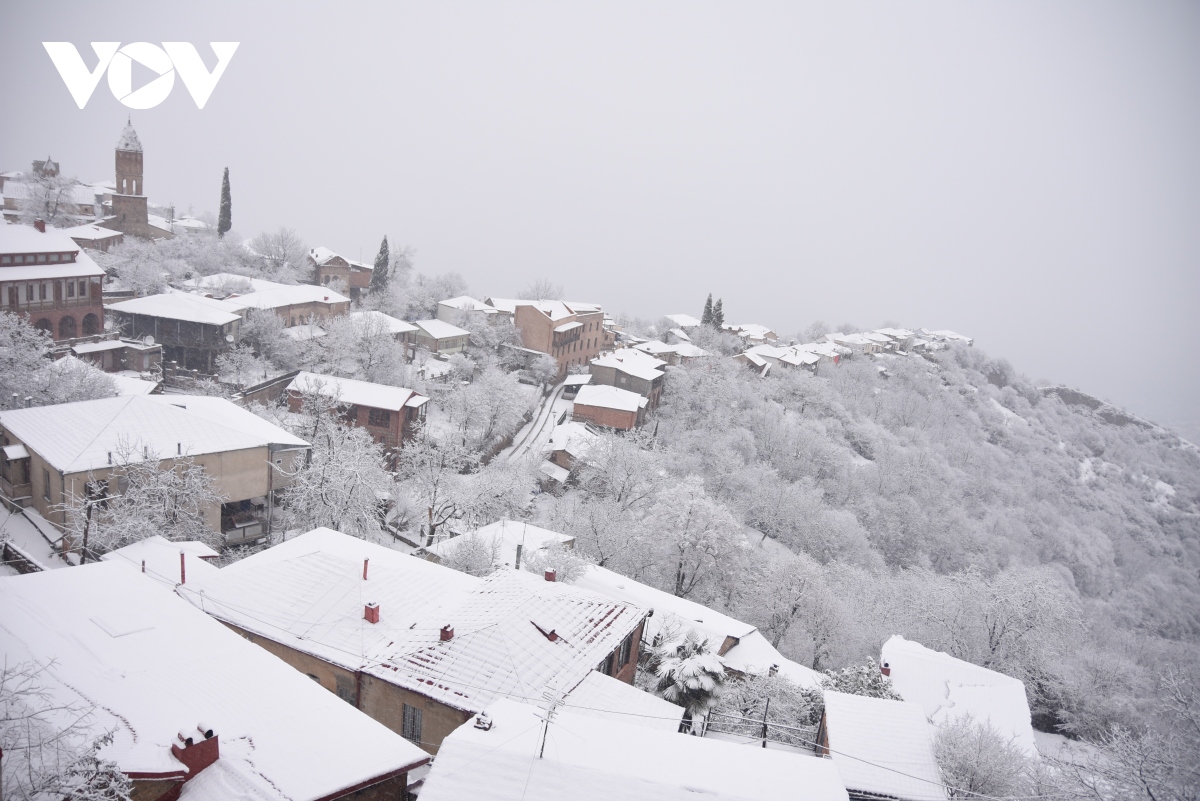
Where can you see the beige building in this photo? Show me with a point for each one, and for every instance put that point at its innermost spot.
(52, 453)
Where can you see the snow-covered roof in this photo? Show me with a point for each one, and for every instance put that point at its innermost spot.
(182, 306)
(882, 747)
(161, 557)
(227, 280)
(503, 536)
(150, 666)
(752, 653)
(653, 346)
(309, 593)
(684, 320)
(599, 695)
(304, 333)
(95, 347)
(286, 295)
(129, 139)
(15, 238)
(467, 303)
(946, 688)
(349, 390)
(91, 232)
(750, 330)
(573, 437)
(588, 758)
(577, 380)
(633, 362)
(320, 255)
(80, 436)
(565, 327)
(440, 329)
(609, 398)
(385, 322)
(554, 309)
(559, 474)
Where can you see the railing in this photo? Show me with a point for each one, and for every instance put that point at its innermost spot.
(799, 736)
(15, 492)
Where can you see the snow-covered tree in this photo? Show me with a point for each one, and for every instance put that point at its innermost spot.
(706, 315)
(690, 675)
(541, 289)
(143, 494)
(382, 270)
(862, 679)
(977, 761)
(282, 256)
(52, 749)
(50, 198)
(241, 366)
(568, 565)
(791, 706)
(225, 220)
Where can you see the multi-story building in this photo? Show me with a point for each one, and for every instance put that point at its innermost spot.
(390, 414)
(340, 273)
(633, 370)
(573, 333)
(46, 278)
(192, 329)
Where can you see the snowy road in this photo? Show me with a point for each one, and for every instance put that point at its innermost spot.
(537, 431)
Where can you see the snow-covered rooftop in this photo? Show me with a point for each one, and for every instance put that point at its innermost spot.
(182, 306)
(309, 593)
(349, 390)
(440, 329)
(503, 536)
(91, 232)
(367, 320)
(161, 558)
(587, 758)
(633, 362)
(746, 649)
(151, 666)
(129, 140)
(882, 747)
(946, 688)
(609, 398)
(280, 295)
(684, 320)
(603, 696)
(75, 437)
(467, 303)
(554, 309)
(573, 437)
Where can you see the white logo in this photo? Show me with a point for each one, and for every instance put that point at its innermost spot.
(172, 57)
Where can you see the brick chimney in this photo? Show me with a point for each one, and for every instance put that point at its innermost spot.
(551, 574)
(447, 633)
(886, 669)
(197, 750)
(40, 224)
(371, 612)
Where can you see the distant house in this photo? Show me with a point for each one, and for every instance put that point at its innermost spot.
(372, 322)
(417, 646)
(592, 758)
(456, 310)
(752, 333)
(569, 443)
(54, 453)
(90, 236)
(46, 279)
(296, 304)
(633, 370)
(441, 337)
(192, 330)
(117, 355)
(573, 333)
(684, 321)
(882, 748)
(195, 711)
(504, 539)
(331, 269)
(610, 407)
(947, 688)
(390, 414)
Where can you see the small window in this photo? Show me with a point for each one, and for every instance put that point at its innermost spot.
(41, 258)
(70, 289)
(83, 289)
(45, 291)
(626, 651)
(5, 259)
(379, 417)
(314, 678)
(53, 257)
(411, 725)
(18, 259)
(46, 484)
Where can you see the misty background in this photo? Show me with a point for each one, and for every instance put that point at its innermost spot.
(1024, 173)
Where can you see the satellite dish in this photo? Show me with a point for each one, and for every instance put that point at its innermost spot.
(148, 341)
(229, 337)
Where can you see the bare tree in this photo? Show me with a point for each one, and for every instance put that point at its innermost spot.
(541, 289)
(283, 254)
(50, 198)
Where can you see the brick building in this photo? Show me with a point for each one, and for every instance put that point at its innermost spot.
(47, 279)
(296, 304)
(194, 711)
(610, 407)
(129, 213)
(632, 370)
(390, 414)
(573, 333)
(340, 273)
(439, 336)
(417, 646)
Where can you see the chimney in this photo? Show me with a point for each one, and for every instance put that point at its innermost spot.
(551, 574)
(196, 750)
(371, 612)
(28, 401)
(885, 669)
(40, 224)
(182, 567)
(365, 562)
(447, 633)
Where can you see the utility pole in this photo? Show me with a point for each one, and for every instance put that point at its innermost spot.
(766, 708)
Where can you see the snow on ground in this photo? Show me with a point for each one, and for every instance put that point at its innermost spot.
(1063, 749)
(532, 437)
(21, 531)
(1010, 416)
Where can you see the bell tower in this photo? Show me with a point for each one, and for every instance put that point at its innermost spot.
(129, 199)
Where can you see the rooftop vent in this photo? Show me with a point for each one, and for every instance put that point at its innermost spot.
(551, 574)
(885, 669)
(447, 633)
(40, 225)
(371, 612)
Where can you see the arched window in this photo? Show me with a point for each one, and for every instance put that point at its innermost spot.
(91, 325)
(44, 325)
(67, 328)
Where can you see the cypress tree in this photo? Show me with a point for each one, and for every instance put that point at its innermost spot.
(225, 218)
(379, 275)
(706, 317)
(718, 315)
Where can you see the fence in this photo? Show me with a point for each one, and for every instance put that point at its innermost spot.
(761, 729)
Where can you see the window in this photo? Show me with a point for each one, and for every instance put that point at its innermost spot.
(70, 289)
(345, 689)
(606, 666)
(53, 257)
(411, 725)
(44, 290)
(314, 678)
(626, 650)
(83, 289)
(5, 259)
(46, 484)
(41, 258)
(379, 417)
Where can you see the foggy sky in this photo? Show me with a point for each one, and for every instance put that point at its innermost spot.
(1027, 173)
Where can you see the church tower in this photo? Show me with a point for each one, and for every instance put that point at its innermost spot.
(129, 200)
